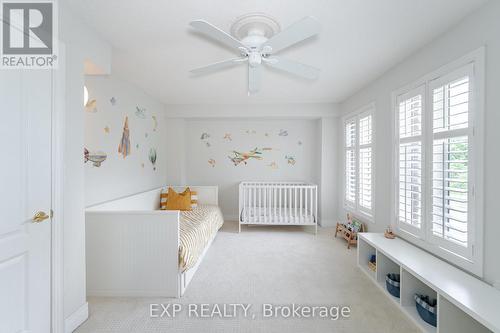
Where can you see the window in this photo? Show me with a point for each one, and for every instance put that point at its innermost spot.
(410, 160)
(358, 144)
(450, 160)
(437, 154)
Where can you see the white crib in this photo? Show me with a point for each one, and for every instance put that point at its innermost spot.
(278, 203)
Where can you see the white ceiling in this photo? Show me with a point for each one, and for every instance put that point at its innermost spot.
(154, 47)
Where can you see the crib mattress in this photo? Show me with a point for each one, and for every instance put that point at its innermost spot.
(197, 228)
(259, 215)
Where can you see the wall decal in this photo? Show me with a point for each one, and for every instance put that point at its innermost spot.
(106, 129)
(299, 143)
(266, 134)
(251, 131)
(211, 162)
(155, 122)
(283, 133)
(238, 157)
(273, 165)
(91, 106)
(290, 159)
(204, 137)
(124, 147)
(227, 137)
(152, 157)
(113, 101)
(140, 112)
(95, 157)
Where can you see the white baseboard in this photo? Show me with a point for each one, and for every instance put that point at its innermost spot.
(76, 318)
(327, 223)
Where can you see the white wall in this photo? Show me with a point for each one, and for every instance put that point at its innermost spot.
(328, 175)
(317, 122)
(480, 28)
(118, 176)
(300, 143)
(81, 45)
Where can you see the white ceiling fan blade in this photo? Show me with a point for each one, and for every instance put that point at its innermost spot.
(293, 67)
(217, 66)
(303, 29)
(253, 79)
(216, 33)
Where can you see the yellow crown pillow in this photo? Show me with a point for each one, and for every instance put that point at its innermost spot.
(164, 199)
(178, 201)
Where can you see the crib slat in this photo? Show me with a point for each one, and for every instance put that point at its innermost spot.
(300, 205)
(280, 204)
(295, 203)
(265, 208)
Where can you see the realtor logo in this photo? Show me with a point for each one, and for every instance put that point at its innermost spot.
(28, 34)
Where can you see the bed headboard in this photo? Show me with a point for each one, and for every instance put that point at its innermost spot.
(207, 195)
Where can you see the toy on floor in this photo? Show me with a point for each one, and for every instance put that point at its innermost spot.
(349, 230)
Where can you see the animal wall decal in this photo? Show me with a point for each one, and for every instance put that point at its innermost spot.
(283, 133)
(124, 146)
(106, 130)
(212, 162)
(290, 159)
(204, 137)
(140, 112)
(112, 101)
(227, 137)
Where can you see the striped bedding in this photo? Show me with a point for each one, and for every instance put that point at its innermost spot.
(197, 228)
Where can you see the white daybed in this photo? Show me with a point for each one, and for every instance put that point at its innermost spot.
(132, 246)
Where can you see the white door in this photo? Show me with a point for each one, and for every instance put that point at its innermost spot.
(25, 190)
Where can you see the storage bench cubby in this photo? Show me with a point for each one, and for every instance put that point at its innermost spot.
(465, 304)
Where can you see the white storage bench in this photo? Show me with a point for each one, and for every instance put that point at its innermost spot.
(465, 304)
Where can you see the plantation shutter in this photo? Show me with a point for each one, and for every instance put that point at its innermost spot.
(365, 163)
(451, 96)
(350, 162)
(410, 209)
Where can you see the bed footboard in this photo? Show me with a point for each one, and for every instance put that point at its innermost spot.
(132, 253)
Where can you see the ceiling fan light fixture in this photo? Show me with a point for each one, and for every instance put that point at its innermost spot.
(257, 41)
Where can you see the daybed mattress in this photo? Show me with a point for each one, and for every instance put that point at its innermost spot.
(197, 228)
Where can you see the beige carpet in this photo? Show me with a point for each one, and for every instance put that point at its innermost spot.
(276, 265)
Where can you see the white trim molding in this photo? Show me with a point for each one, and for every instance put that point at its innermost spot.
(76, 318)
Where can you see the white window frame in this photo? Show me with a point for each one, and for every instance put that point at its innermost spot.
(419, 90)
(471, 259)
(355, 208)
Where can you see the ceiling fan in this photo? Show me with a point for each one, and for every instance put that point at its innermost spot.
(257, 38)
